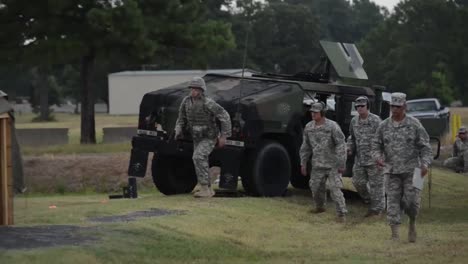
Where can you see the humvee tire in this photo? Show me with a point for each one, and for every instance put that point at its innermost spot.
(173, 175)
(298, 180)
(266, 170)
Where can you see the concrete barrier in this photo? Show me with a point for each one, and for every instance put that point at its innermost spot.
(42, 136)
(118, 134)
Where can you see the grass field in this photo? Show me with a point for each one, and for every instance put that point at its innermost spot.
(247, 230)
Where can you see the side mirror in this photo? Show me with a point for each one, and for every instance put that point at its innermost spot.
(442, 107)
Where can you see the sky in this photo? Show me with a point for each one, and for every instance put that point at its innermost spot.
(387, 3)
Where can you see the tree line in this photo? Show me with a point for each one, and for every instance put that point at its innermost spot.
(55, 49)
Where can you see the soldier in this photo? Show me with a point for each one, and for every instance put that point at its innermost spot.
(459, 159)
(198, 115)
(324, 145)
(361, 132)
(402, 144)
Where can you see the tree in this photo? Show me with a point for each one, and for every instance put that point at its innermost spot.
(186, 36)
(284, 38)
(45, 92)
(439, 85)
(406, 50)
(85, 31)
(366, 16)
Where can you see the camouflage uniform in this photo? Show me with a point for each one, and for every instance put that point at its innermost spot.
(404, 147)
(325, 144)
(199, 117)
(459, 159)
(365, 169)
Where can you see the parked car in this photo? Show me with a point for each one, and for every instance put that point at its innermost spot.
(433, 115)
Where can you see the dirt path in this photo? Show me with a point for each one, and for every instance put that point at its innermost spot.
(30, 237)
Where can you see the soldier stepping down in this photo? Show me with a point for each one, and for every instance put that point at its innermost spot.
(198, 115)
(324, 145)
(401, 145)
(367, 176)
(459, 160)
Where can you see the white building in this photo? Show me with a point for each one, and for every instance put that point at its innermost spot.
(126, 89)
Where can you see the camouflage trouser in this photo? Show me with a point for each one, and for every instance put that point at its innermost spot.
(375, 191)
(457, 163)
(201, 151)
(317, 184)
(401, 196)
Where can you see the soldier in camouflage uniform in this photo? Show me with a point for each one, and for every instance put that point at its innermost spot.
(402, 144)
(198, 115)
(459, 159)
(365, 170)
(324, 145)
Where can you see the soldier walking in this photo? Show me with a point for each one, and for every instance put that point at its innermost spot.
(459, 160)
(367, 176)
(402, 144)
(198, 115)
(324, 145)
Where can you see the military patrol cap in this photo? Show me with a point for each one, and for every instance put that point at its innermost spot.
(317, 107)
(398, 99)
(197, 82)
(462, 130)
(361, 100)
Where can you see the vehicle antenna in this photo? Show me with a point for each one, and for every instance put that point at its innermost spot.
(244, 60)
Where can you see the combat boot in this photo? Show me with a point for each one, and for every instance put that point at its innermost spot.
(196, 189)
(318, 210)
(204, 192)
(395, 232)
(212, 191)
(412, 230)
(371, 213)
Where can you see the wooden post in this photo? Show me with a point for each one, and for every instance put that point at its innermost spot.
(6, 177)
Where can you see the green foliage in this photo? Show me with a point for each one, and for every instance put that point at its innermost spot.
(45, 92)
(86, 32)
(284, 38)
(14, 80)
(438, 86)
(284, 35)
(420, 49)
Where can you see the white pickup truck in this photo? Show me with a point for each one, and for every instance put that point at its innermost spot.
(432, 114)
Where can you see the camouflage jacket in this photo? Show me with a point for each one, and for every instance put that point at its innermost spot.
(403, 147)
(459, 147)
(361, 133)
(199, 117)
(324, 145)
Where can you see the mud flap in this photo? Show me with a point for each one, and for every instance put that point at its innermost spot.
(230, 163)
(138, 163)
(228, 181)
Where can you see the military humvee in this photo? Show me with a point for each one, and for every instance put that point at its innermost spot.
(268, 115)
